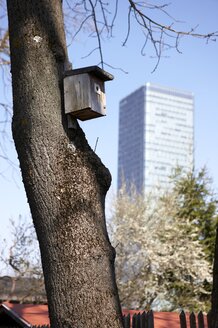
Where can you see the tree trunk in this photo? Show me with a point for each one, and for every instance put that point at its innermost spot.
(214, 300)
(65, 181)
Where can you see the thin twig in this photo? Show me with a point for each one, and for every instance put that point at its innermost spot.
(97, 32)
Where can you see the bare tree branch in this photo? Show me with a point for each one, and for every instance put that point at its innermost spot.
(162, 36)
(96, 27)
(145, 18)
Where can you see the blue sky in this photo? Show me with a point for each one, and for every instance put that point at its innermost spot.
(195, 70)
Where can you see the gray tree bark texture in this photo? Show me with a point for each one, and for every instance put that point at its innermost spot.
(214, 298)
(65, 181)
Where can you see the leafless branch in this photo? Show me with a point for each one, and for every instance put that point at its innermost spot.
(116, 68)
(20, 261)
(145, 18)
(162, 36)
(93, 6)
(114, 16)
(94, 14)
(156, 31)
(91, 52)
(23, 253)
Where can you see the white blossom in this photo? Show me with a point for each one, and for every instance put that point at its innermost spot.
(155, 254)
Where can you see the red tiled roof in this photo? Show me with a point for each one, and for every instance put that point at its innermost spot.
(35, 314)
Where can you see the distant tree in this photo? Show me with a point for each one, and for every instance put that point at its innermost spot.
(20, 255)
(20, 261)
(160, 261)
(196, 202)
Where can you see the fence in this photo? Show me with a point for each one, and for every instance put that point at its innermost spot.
(146, 320)
(140, 320)
(195, 320)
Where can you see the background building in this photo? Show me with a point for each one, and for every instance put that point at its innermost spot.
(156, 134)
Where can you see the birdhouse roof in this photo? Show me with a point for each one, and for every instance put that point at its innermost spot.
(93, 70)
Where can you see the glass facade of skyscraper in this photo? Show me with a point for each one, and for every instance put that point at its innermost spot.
(156, 134)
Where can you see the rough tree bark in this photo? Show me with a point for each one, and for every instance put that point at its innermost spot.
(65, 181)
(214, 298)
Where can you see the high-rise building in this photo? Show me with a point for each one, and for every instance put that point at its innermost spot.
(156, 134)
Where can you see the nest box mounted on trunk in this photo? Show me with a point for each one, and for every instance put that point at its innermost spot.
(84, 92)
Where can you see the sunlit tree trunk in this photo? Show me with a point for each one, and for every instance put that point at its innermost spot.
(65, 181)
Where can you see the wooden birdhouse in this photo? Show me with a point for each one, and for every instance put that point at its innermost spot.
(84, 92)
